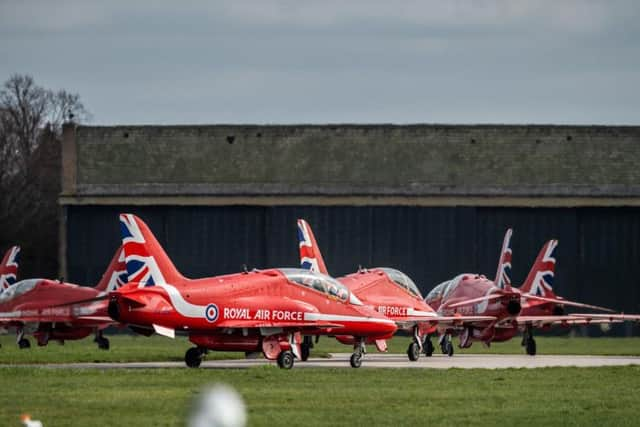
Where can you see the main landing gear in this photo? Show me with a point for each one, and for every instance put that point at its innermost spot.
(359, 350)
(415, 348)
(285, 359)
(193, 357)
(446, 344)
(305, 347)
(103, 343)
(427, 346)
(528, 341)
(22, 341)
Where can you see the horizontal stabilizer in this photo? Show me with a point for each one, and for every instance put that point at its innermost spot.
(566, 302)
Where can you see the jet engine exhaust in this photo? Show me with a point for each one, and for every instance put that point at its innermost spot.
(114, 310)
(513, 307)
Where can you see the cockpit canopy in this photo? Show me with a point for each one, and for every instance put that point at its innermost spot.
(17, 289)
(443, 289)
(402, 280)
(321, 283)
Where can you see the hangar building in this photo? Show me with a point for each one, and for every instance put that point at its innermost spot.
(431, 200)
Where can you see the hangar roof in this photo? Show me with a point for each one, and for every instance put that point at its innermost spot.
(338, 160)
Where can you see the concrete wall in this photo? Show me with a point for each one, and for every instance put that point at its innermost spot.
(371, 160)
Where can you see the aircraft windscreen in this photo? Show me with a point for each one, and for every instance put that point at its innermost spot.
(321, 283)
(443, 289)
(17, 289)
(403, 281)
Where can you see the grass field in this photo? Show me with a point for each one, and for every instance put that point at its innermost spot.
(161, 397)
(130, 348)
(550, 396)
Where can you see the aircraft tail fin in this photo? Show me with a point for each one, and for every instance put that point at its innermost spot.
(503, 275)
(310, 255)
(9, 268)
(146, 261)
(115, 274)
(539, 281)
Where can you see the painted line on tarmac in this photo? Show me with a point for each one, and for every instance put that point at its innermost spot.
(397, 361)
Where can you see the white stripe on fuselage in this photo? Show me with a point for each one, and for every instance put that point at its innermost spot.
(312, 317)
(187, 309)
(183, 307)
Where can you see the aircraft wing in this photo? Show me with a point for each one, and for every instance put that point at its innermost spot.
(610, 317)
(539, 321)
(572, 319)
(97, 319)
(252, 324)
(55, 318)
(443, 320)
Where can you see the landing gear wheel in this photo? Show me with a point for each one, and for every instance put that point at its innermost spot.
(24, 343)
(427, 347)
(285, 359)
(103, 343)
(193, 357)
(531, 346)
(413, 351)
(356, 360)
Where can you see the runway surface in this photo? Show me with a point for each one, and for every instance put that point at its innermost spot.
(376, 360)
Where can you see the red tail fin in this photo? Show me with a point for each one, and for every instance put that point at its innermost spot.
(147, 263)
(9, 268)
(310, 256)
(503, 275)
(115, 275)
(540, 279)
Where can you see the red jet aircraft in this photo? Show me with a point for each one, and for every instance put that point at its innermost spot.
(532, 306)
(264, 310)
(539, 300)
(389, 292)
(9, 268)
(52, 310)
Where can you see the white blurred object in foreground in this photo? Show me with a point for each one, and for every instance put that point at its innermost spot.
(219, 406)
(28, 422)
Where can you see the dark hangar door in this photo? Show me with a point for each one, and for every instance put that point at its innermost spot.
(598, 251)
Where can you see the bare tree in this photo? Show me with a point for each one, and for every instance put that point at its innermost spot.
(27, 110)
(31, 119)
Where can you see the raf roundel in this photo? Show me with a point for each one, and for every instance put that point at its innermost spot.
(211, 312)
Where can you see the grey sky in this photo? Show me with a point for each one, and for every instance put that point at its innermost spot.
(275, 61)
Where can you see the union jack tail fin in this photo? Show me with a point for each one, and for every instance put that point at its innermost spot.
(115, 275)
(540, 279)
(147, 263)
(310, 256)
(503, 275)
(9, 268)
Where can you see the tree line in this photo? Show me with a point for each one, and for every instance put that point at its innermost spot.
(31, 119)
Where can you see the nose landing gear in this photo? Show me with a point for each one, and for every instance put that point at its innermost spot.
(359, 350)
